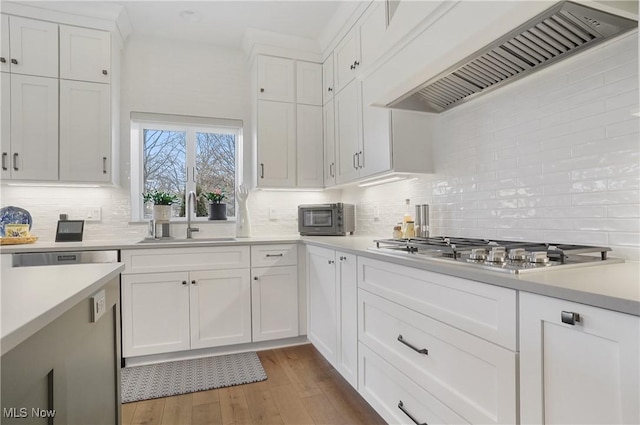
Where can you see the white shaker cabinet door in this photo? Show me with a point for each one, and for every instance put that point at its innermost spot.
(310, 161)
(5, 123)
(85, 54)
(376, 141)
(85, 132)
(34, 128)
(346, 276)
(322, 304)
(220, 307)
(5, 56)
(327, 80)
(328, 123)
(33, 47)
(348, 133)
(577, 371)
(276, 79)
(155, 313)
(276, 144)
(347, 59)
(274, 295)
(309, 83)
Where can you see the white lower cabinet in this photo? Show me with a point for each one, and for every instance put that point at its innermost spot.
(166, 312)
(274, 300)
(333, 312)
(578, 364)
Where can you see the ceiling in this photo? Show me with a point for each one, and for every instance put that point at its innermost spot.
(224, 22)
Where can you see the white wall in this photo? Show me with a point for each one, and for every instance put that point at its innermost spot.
(553, 157)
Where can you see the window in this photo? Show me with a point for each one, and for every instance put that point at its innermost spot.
(183, 154)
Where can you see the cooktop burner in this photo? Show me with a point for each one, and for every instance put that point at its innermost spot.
(495, 254)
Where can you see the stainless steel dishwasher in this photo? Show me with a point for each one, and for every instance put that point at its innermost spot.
(29, 259)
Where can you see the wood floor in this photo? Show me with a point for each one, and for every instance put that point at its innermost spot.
(301, 388)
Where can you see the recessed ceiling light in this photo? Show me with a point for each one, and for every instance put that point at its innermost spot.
(190, 15)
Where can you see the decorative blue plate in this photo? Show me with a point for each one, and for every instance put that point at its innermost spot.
(14, 215)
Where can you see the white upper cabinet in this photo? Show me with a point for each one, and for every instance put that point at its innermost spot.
(34, 128)
(276, 79)
(276, 144)
(33, 47)
(347, 59)
(85, 132)
(376, 138)
(329, 144)
(372, 31)
(85, 54)
(348, 133)
(5, 58)
(327, 80)
(309, 83)
(309, 146)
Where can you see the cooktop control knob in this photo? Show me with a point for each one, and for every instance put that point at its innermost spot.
(517, 254)
(538, 257)
(497, 254)
(478, 254)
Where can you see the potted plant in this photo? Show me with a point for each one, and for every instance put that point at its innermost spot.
(217, 210)
(162, 202)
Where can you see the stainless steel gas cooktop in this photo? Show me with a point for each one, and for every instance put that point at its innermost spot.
(497, 255)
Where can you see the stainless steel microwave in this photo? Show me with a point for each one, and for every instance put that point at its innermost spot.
(326, 219)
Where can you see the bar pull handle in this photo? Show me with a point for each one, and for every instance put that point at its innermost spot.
(331, 169)
(274, 255)
(15, 162)
(261, 171)
(414, 348)
(354, 161)
(406, 412)
(569, 317)
(104, 165)
(4, 161)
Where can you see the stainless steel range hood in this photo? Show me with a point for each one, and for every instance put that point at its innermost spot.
(558, 33)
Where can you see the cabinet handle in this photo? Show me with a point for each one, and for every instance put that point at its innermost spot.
(360, 155)
(14, 61)
(417, 350)
(274, 255)
(342, 258)
(255, 278)
(105, 72)
(261, 171)
(3, 60)
(331, 166)
(329, 89)
(569, 317)
(352, 66)
(355, 63)
(104, 165)
(193, 282)
(4, 161)
(330, 261)
(354, 161)
(401, 407)
(184, 282)
(15, 162)
(261, 90)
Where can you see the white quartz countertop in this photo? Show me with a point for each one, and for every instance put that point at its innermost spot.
(32, 297)
(611, 286)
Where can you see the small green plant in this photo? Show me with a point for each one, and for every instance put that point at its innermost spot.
(216, 196)
(159, 197)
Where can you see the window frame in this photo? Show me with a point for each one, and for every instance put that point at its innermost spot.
(191, 126)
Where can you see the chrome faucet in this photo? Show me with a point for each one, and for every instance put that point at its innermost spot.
(191, 202)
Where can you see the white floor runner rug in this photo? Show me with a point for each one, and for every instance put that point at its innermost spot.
(186, 376)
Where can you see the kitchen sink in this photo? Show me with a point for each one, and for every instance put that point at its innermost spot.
(185, 240)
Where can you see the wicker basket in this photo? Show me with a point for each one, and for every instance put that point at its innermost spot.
(18, 241)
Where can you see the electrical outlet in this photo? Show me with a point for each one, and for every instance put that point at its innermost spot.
(376, 212)
(273, 214)
(93, 214)
(98, 305)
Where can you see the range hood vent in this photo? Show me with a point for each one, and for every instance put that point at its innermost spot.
(558, 33)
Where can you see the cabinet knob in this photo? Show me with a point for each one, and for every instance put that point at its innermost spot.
(329, 89)
(356, 63)
(3, 60)
(105, 72)
(352, 66)
(342, 258)
(184, 282)
(261, 90)
(14, 61)
(255, 278)
(331, 261)
(569, 317)
(193, 282)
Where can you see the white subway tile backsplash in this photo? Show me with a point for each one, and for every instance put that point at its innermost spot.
(623, 211)
(631, 126)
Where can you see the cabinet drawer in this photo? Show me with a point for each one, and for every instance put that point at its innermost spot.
(385, 388)
(475, 378)
(483, 310)
(274, 255)
(185, 259)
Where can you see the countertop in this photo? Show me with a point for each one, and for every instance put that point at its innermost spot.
(32, 297)
(611, 286)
